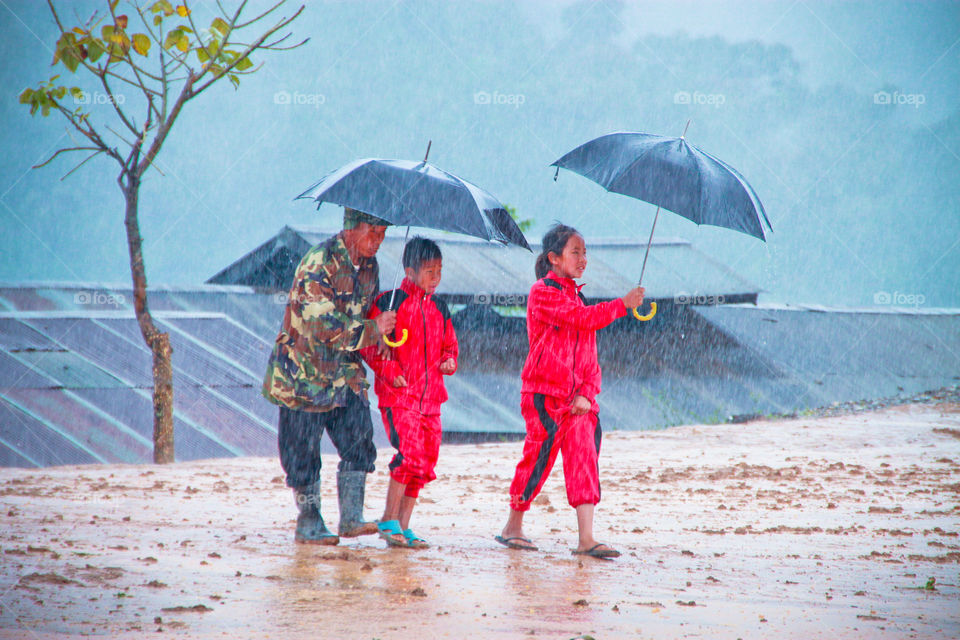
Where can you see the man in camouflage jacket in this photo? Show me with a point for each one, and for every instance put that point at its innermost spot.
(316, 374)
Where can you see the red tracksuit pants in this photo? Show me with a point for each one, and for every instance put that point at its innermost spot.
(416, 437)
(552, 428)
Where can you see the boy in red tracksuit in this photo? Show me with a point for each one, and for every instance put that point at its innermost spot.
(561, 379)
(409, 385)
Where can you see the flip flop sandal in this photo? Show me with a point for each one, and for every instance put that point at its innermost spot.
(596, 552)
(414, 541)
(389, 530)
(510, 544)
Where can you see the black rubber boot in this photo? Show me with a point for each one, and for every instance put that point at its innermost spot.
(310, 526)
(350, 490)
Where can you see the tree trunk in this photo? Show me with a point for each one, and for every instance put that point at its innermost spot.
(159, 343)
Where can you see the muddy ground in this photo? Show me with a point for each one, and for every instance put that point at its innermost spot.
(826, 527)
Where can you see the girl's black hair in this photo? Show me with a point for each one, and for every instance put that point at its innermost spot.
(418, 251)
(554, 240)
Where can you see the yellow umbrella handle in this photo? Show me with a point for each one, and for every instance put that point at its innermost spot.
(403, 338)
(649, 316)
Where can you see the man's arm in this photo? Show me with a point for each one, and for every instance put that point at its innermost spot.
(320, 320)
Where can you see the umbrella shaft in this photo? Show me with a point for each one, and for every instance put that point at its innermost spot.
(649, 242)
(396, 274)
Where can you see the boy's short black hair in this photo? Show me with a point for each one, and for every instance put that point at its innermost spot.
(418, 251)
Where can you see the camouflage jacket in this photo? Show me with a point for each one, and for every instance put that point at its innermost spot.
(316, 358)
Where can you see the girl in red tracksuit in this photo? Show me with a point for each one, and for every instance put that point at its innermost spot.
(409, 385)
(561, 379)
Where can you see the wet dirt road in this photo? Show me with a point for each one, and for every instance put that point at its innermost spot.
(830, 527)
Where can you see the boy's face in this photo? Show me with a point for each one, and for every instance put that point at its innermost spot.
(427, 277)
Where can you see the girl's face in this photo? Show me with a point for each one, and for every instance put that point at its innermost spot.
(573, 260)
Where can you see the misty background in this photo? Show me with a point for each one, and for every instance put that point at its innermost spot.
(845, 118)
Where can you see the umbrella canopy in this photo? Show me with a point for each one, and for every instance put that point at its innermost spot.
(418, 194)
(673, 174)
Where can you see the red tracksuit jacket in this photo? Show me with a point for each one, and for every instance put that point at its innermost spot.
(430, 341)
(562, 361)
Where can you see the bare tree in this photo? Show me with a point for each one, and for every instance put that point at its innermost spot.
(187, 62)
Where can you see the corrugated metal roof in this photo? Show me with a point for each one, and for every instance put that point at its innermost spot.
(472, 267)
(85, 377)
(73, 380)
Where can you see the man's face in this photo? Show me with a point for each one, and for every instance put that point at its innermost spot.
(368, 239)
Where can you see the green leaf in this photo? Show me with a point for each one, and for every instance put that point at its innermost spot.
(141, 43)
(185, 28)
(157, 19)
(220, 25)
(27, 96)
(202, 54)
(59, 92)
(45, 109)
(183, 43)
(69, 52)
(172, 39)
(162, 5)
(244, 64)
(95, 49)
(235, 80)
(77, 93)
(106, 32)
(216, 70)
(71, 62)
(113, 4)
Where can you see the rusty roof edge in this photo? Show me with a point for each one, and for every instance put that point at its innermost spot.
(108, 315)
(814, 308)
(114, 286)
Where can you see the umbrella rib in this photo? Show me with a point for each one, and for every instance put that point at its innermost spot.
(743, 182)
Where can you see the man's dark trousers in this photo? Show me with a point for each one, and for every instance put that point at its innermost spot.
(350, 428)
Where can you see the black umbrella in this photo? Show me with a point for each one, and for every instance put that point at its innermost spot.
(418, 194)
(674, 175)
